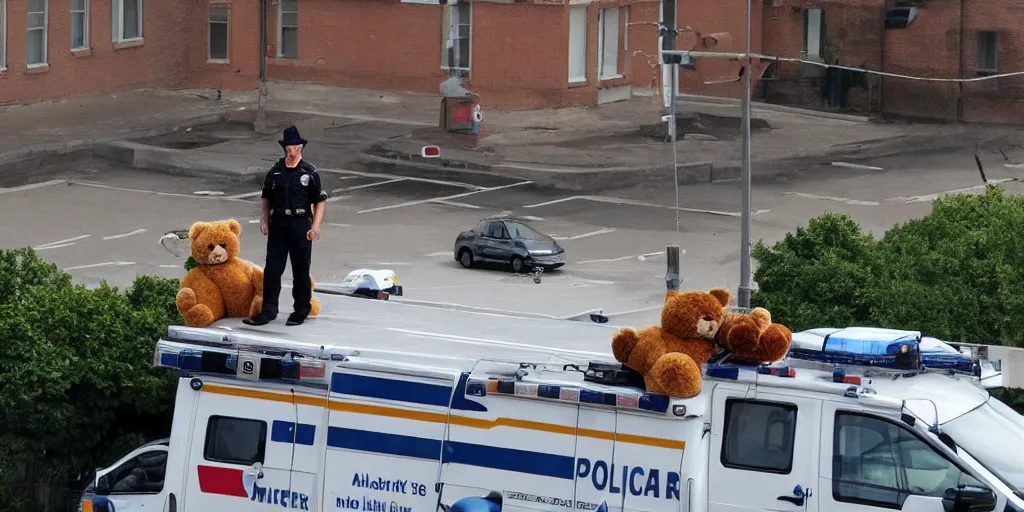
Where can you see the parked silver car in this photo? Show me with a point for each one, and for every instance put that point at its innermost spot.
(508, 240)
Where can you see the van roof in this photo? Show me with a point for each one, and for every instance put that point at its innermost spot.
(406, 330)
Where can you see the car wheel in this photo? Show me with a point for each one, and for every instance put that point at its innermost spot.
(518, 264)
(466, 258)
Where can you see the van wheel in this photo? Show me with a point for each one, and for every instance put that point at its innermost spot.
(466, 258)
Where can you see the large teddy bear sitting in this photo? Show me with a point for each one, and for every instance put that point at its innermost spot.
(695, 326)
(220, 284)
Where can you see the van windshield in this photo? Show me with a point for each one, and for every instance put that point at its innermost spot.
(994, 435)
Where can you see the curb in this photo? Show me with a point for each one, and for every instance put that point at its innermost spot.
(28, 159)
(164, 160)
(786, 109)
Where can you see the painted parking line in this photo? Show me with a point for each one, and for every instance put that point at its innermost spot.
(845, 200)
(368, 185)
(168, 194)
(459, 205)
(48, 247)
(437, 254)
(246, 195)
(603, 231)
(446, 198)
(104, 264)
(125, 235)
(32, 186)
(62, 243)
(362, 174)
(931, 197)
(641, 257)
(645, 204)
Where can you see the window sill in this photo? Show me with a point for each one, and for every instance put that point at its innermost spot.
(218, 61)
(35, 69)
(610, 77)
(129, 43)
(578, 82)
(81, 52)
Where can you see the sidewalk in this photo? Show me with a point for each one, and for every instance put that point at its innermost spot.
(193, 133)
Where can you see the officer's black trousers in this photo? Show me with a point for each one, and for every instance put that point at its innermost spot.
(287, 239)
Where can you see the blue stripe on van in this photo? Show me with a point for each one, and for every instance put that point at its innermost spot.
(378, 442)
(507, 459)
(390, 389)
(282, 432)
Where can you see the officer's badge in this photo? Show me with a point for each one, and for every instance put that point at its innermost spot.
(304, 179)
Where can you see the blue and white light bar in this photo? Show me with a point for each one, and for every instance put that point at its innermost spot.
(937, 354)
(859, 346)
(240, 363)
(623, 398)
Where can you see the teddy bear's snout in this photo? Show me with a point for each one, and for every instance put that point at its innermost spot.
(707, 327)
(217, 255)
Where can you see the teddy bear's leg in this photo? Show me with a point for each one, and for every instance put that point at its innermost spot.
(774, 343)
(674, 374)
(256, 306)
(194, 313)
(742, 336)
(314, 307)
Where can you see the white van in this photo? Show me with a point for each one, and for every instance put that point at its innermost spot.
(357, 411)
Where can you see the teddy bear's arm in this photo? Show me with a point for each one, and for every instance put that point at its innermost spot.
(199, 300)
(674, 374)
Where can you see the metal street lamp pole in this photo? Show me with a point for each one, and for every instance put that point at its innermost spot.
(743, 295)
(261, 114)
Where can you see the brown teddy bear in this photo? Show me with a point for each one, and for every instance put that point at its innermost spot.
(669, 357)
(218, 283)
(753, 338)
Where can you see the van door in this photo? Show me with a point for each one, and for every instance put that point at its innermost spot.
(520, 451)
(241, 449)
(595, 455)
(754, 448)
(871, 462)
(384, 440)
(311, 415)
(648, 461)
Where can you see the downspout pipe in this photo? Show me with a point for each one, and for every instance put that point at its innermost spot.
(960, 85)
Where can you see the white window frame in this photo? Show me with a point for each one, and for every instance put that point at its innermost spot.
(3, 34)
(814, 39)
(281, 27)
(227, 34)
(85, 25)
(604, 37)
(575, 79)
(117, 27)
(994, 68)
(46, 34)
(453, 17)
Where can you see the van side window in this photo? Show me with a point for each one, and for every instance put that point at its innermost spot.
(235, 440)
(879, 463)
(759, 436)
(143, 474)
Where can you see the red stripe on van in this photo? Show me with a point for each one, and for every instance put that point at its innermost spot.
(226, 481)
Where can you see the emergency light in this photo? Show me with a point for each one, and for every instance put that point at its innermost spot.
(624, 399)
(860, 346)
(242, 362)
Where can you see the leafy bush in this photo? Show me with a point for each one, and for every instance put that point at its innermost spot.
(955, 274)
(76, 372)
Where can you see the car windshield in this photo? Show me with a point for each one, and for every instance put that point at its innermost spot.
(520, 231)
(994, 435)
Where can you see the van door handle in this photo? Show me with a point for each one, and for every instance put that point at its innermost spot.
(796, 500)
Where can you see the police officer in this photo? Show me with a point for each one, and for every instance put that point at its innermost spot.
(294, 205)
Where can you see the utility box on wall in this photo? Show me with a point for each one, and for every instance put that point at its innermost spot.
(460, 114)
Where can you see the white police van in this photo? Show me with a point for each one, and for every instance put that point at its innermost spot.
(356, 411)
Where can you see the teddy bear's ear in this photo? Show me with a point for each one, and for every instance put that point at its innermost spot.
(723, 296)
(234, 226)
(196, 229)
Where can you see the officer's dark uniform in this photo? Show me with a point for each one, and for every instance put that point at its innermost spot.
(290, 192)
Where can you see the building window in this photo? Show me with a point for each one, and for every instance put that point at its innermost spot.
(759, 436)
(457, 34)
(3, 34)
(125, 20)
(578, 43)
(608, 39)
(987, 50)
(814, 34)
(288, 29)
(217, 46)
(79, 24)
(35, 43)
(879, 463)
(235, 440)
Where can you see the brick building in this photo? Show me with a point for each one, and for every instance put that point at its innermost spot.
(531, 54)
(927, 38)
(519, 53)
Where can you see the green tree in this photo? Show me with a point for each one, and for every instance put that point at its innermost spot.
(77, 381)
(954, 274)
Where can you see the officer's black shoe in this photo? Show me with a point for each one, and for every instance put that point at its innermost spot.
(259, 319)
(295, 319)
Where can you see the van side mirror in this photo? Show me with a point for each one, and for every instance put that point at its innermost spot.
(969, 498)
(103, 485)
